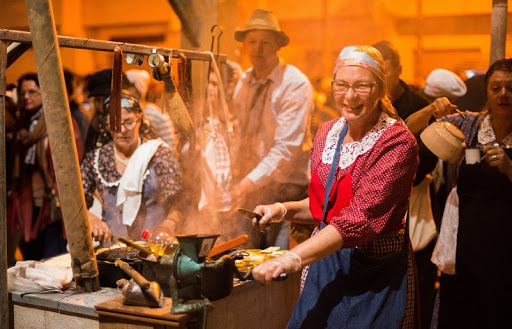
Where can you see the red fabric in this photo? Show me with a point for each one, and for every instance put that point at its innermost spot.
(379, 199)
(341, 193)
(12, 212)
(23, 204)
(25, 210)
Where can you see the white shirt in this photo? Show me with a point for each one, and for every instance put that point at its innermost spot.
(279, 151)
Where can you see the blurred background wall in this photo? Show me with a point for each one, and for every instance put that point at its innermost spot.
(429, 34)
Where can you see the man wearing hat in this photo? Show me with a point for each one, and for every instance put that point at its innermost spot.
(273, 102)
(442, 88)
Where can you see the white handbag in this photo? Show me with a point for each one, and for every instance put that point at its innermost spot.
(422, 227)
(446, 246)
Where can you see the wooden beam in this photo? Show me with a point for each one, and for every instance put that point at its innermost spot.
(447, 25)
(100, 45)
(15, 50)
(190, 22)
(4, 295)
(59, 128)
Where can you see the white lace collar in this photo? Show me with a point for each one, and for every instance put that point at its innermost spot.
(486, 133)
(351, 151)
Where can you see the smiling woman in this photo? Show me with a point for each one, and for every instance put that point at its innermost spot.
(359, 271)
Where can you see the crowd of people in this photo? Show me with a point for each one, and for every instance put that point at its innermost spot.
(337, 170)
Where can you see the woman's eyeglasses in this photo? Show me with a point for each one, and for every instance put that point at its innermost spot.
(127, 124)
(360, 88)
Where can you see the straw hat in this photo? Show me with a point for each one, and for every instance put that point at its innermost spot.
(263, 20)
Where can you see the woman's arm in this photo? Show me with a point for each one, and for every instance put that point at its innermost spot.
(322, 244)
(171, 222)
(419, 120)
(293, 211)
(99, 228)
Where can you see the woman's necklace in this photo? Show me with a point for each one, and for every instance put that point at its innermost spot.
(127, 160)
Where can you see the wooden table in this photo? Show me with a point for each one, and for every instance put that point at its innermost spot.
(250, 305)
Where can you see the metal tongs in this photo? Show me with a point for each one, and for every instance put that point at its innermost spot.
(221, 31)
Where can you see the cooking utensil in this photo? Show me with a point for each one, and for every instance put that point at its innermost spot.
(445, 140)
(456, 109)
(109, 273)
(228, 245)
(143, 252)
(150, 290)
(249, 214)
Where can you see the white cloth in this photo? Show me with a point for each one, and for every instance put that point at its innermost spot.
(446, 246)
(351, 151)
(283, 139)
(486, 133)
(129, 193)
(422, 227)
(216, 176)
(162, 124)
(444, 83)
(35, 276)
(140, 79)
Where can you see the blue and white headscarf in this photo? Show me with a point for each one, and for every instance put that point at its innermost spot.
(364, 56)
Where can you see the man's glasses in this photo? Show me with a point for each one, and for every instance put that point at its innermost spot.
(360, 88)
(30, 93)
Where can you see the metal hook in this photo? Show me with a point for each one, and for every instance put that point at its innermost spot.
(221, 31)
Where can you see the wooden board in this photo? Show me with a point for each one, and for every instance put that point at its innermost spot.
(115, 308)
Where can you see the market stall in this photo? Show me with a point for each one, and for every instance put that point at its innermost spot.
(85, 303)
(250, 305)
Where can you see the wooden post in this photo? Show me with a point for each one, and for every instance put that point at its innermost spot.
(60, 134)
(4, 295)
(498, 30)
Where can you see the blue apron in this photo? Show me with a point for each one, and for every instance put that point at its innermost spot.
(348, 289)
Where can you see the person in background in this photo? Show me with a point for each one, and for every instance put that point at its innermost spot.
(444, 83)
(407, 102)
(11, 91)
(34, 197)
(478, 295)
(98, 90)
(160, 121)
(446, 88)
(322, 112)
(475, 98)
(273, 102)
(442, 88)
(13, 236)
(78, 112)
(136, 180)
(359, 269)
